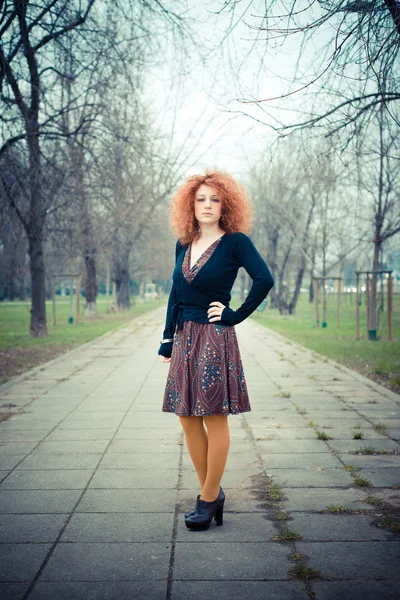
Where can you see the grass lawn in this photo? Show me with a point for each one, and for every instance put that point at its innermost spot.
(379, 360)
(19, 351)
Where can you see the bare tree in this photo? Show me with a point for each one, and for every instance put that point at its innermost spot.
(354, 68)
(32, 79)
(379, 184)
(28, 32)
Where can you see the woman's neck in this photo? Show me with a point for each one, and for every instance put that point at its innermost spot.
(210, 233)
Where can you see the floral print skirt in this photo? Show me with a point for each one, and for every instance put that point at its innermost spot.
(206, 374)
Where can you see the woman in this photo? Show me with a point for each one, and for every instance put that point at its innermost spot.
(211, 215)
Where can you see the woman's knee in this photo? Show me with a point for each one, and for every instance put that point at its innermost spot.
(216, 422)
(192, 424)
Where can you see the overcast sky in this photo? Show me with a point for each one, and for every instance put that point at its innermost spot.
(224, 67)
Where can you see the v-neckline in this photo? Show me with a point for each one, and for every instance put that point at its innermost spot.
(201, 255)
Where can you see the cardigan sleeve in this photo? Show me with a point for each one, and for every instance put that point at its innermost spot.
(168, 333)
(249, 258)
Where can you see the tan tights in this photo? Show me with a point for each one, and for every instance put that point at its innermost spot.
(208, 449)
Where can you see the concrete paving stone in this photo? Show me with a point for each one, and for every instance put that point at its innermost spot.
(9, 461)
(150, 461)
(47, 480)
(261, 407)
(332, 428)
(43, 416)
(378, 403)
(230, 560)
(23, 436)
(20, 562)
(13, 591)
(148, 424)
(286, 433)
(370, 397)
(128, 500)
(104, 590)
(145, 446)
(113, 527)
(376, 415)
(299, 461)
(134, 479)
(31, 528)
(98, 415)
(320, 498)
(356, 590)
(318, 407)
(80, 435)
(15, 424)
(243, 590)
(291, 446)
(333, 527)
(270, 403)
(11, 448)
(394, 432)
(279, 425)
(371, 461)
(71, 447)
(382, 477)
(389, 496)
(237, 527)
(332, 415)
(90, 424)
(311, 477)
(88, 408)
(323, 422)
(391, 423)
(145, 561)
(288, 420)
(38, 501)
(347, 433)
(350, 446)
(60, 461)
(361, 560)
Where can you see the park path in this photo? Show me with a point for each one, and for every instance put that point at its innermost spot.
(95, 480)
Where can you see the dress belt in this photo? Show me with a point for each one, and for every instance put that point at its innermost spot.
(177, 315)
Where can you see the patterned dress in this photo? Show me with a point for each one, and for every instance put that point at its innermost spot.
(206, 374)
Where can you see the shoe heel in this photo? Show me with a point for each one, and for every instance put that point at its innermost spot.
(219, 515)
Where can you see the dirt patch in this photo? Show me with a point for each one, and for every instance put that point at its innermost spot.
(15, 361)
(389, 381)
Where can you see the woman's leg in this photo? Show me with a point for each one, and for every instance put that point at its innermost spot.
(218, 448)
(197, 444)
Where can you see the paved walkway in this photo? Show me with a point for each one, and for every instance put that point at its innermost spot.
(95, 480)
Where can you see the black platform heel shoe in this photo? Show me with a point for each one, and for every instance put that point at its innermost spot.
(205, 512)
(191, 512)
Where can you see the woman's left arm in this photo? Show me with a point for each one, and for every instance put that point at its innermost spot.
(249, 258)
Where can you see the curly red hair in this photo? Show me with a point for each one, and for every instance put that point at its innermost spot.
(237, 212)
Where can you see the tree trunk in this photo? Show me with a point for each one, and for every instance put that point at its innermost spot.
(90, 286)
(38, 327)
(122, 281)
(296, 294)
(274, 268)
(372, 317)
(34, 229)
(89, 256)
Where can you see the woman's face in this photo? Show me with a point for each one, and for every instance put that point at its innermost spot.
(207, 205)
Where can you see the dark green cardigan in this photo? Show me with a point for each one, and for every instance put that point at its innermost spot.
(213, 282)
